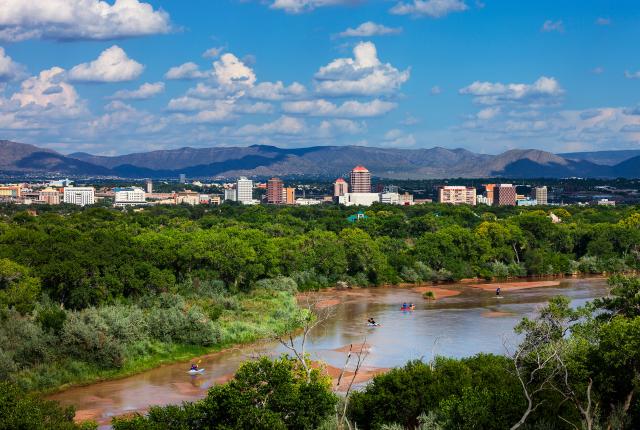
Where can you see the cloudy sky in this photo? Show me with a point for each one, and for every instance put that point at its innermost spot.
(120, 76)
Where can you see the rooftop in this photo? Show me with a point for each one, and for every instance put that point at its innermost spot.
(360, 169)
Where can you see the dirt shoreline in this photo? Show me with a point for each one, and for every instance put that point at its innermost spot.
(514, 286)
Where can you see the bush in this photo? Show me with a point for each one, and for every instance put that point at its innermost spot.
(22, 411)
(189, 326)
(477, 392)
(309, 280)
(51, 318)
(88, 339)
(281, 283)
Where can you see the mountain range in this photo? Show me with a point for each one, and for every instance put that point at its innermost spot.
(319, 161)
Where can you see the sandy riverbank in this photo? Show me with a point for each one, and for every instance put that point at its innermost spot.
(514, 286)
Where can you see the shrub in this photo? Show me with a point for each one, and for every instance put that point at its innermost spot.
(281, 283)
(88, 339)
(22, 411)
(51, 318)
(181, 325)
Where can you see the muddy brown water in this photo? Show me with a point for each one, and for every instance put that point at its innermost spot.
(473, 321)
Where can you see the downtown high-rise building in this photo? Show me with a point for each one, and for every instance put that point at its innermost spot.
(539, 194)
(360, 180)
(504, 195)
(457, 195)
(244, 190)
(340, 187)
(80, 196)
(275, 188)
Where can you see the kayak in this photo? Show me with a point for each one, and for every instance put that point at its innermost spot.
(408, 309)
(195, 372)
(373, 325)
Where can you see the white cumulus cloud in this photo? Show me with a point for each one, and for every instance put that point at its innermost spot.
(276, 91)
(363, 75)
(113, 65)
(145, 91)
(300, 6)
(348, 109)
(430, 8)
(79, 19)
(188, 70)
(544, 90)
(368, 29)
(231, 71)
(9, 69)
(285, 125)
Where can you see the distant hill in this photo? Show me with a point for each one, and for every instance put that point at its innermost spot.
(318, 161)
(20, 157)
(607, 158)
(629, 168)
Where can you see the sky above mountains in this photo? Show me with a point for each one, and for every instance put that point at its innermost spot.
(113, 77)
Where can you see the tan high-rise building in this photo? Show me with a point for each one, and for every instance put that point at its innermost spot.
(274, 191)
(457, 195)
(488, 192)
(360, 180)
(50, 196)
(289, 196)
(340, 187)
(504, 195)
(540, 194)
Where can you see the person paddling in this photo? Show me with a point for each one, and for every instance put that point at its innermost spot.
(194, 367)
(498, 292)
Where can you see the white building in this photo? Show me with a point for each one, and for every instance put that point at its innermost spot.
(484, 200)
(244, 190)
(80, 196)
(390, 198)
(129, 196)
(308, 202)
(359, 199)
(230, 194)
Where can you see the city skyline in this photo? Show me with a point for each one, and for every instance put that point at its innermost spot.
(133, 75)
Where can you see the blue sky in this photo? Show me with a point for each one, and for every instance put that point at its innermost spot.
(114, 77)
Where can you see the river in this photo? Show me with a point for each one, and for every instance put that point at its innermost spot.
(458, 326)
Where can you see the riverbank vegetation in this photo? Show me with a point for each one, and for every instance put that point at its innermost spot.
(94, 293)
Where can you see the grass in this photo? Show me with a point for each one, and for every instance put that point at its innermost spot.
(261, 314)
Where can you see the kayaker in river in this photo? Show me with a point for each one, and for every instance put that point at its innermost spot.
(194, 367)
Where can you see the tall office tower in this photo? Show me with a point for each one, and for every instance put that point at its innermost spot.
(183, 178)
(540, 195)
(80, 196)
(360, 180)
(244, 190)
(149, 186)
(504, 195)
(340, 187)
(488, 192)
(274, 191)
(457, 195)
(289, 196)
